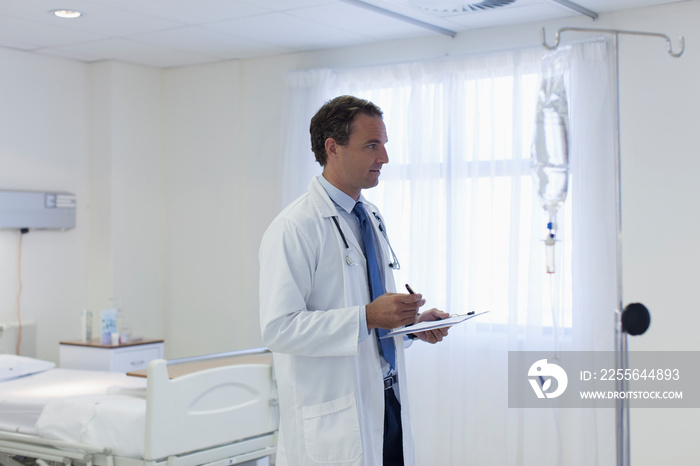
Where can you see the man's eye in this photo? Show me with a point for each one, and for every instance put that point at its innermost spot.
(371, 146)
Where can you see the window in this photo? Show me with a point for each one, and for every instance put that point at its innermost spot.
(458, 196)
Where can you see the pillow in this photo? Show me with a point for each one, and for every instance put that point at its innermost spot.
(12, 366)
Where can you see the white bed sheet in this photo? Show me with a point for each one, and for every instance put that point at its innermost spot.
(114, 421)
(22, 400)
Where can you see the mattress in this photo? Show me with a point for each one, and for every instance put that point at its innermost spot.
(78, 406)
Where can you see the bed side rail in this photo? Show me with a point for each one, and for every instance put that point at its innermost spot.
(210, 357)
(52, 450)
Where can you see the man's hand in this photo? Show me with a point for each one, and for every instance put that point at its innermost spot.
(392, 310)
(434, 335)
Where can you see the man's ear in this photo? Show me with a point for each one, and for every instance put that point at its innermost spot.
(331, 148)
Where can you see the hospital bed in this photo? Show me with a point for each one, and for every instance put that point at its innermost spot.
(213, 410)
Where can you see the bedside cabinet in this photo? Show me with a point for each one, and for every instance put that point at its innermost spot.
(93, 355)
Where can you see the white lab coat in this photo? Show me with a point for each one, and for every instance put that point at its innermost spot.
(331, 394)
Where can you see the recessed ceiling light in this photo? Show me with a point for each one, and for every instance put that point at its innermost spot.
(66, 14)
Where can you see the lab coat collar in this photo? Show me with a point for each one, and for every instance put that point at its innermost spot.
(327, 208)
(338, 197)
(344, 201)
(325, 205)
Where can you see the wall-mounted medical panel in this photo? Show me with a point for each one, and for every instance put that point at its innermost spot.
(37, 210)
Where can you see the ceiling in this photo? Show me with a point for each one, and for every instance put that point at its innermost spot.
(168, 33)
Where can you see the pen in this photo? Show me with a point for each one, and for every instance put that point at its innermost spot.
(411, 291)
(410, 335)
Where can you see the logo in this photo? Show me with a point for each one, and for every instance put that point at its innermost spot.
(540, 376)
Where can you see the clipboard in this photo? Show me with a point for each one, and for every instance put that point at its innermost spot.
(433, 324)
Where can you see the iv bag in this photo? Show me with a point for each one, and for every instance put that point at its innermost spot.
(550, 146)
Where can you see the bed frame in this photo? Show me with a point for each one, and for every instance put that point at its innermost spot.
(223, 415)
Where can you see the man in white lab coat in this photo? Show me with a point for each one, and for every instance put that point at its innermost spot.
(340, 390)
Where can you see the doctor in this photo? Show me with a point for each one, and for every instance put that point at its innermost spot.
(340, 389)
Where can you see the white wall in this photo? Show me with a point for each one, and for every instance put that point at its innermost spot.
(659, 100)
(178, 173)
(43, 145)
(93, 130)
(203, 220)
(124, 197)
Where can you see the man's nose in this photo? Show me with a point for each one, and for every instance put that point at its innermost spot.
(383, 156)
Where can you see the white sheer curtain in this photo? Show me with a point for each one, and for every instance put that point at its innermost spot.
(304, 95)
(462, 216)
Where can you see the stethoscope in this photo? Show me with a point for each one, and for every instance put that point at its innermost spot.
(394, 264)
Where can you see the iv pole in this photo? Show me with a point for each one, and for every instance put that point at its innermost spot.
(633, 319)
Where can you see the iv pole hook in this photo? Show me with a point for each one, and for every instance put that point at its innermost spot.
(669, 45)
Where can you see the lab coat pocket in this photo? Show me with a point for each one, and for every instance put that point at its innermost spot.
(332, 431)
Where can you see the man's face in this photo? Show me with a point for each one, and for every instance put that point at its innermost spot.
(357, 165)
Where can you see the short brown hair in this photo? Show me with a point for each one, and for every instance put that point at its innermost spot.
(334, 120)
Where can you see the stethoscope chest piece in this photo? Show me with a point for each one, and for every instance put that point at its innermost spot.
(352, 257)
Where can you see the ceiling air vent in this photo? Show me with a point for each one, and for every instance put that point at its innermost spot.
(458, 6)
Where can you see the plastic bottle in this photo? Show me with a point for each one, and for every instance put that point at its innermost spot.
(550, 147)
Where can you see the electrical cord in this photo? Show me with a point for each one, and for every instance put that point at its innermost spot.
(22, 232)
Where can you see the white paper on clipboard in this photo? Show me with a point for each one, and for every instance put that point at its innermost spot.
(433, 324)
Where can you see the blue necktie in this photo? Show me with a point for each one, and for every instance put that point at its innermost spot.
(376, 287)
